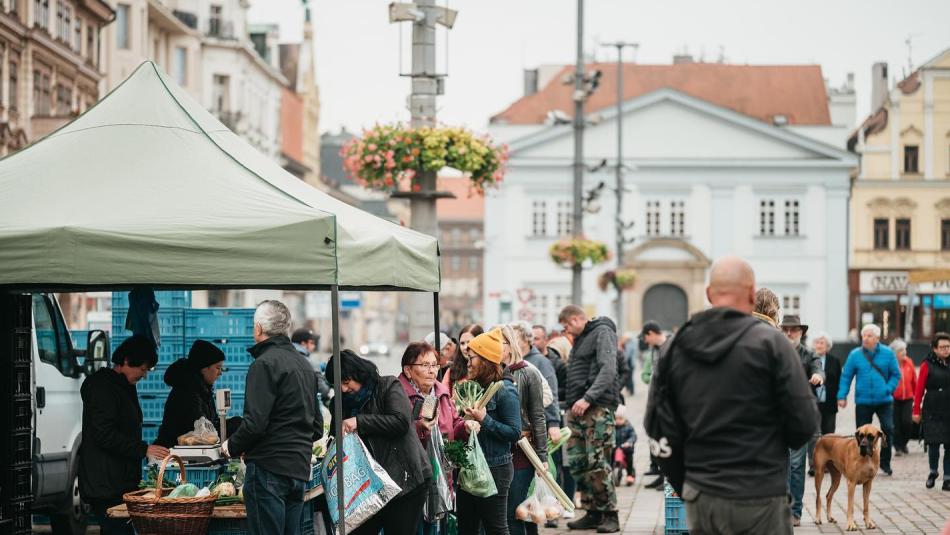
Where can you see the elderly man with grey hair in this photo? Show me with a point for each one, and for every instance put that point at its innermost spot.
(876, 373)
(281, 421)
(827, 393)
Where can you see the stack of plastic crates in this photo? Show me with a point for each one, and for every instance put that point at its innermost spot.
(232, 331)
(16, 479)
(171, 318)
(675, 512)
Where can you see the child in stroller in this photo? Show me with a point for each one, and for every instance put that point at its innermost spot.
(625, 437)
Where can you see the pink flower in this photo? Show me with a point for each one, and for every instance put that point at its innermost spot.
(372, 147)
(416, 188)
(368, 158)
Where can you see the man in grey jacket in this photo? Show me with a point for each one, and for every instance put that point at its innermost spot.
(592, 396)
(281, 421)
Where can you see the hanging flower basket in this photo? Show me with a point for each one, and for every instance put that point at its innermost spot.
(570, 252)
(390, 157)
(621, 280)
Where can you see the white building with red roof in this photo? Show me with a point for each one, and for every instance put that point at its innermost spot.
(724, 159)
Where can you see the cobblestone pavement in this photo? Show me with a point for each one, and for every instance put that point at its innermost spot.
(900, 504)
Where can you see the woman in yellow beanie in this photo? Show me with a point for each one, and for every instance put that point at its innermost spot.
(500, 428)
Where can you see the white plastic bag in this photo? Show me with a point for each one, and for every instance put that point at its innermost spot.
(541, 505)
(204, 434)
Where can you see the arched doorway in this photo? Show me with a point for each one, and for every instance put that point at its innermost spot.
(666, 304)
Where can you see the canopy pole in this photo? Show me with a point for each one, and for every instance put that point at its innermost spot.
(338, 406)
(438, 333)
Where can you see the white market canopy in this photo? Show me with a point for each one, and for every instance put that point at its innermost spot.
(148, 188)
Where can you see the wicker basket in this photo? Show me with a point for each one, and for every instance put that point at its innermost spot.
(157, 515)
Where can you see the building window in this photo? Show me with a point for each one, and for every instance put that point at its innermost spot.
(77, 36)
(64, 99)
(122, 13)
(12, 92)
(945, 234)
(41, 93)
(653, 218)
(214, 22)
(539, 218)
(41, 13)
(90, 43)
(565, 218)
(474, 235)
(791, 304)
(791, 218)
(677, 218)
(66, 27)
(767, 217)
(902, 234)
(456, 262)
(220, 90)
(882, 239)
(473, 263)
(456, 236)
(911, 153)
(181, 65)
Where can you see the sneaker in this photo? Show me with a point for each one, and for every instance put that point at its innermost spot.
(931, 481)
(630, 481)
(811, 472)
(946, 484)
(887, 472)
(551, 524)
(898, 452)
(796, 522)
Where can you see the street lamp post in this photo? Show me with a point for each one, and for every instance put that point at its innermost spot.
(620, 226)
(580, 97)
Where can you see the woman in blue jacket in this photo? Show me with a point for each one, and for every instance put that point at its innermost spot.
(500, 424)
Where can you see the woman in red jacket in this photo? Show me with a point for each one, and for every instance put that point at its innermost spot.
(903, 398)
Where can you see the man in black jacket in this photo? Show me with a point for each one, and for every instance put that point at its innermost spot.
(110, 457)
(281, 421)
(592, 396)
(741, 394)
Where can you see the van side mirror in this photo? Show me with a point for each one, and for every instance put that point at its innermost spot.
(97, 352)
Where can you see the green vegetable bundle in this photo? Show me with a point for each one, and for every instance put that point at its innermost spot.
(151, 477)
(466, 395)
(457, 453)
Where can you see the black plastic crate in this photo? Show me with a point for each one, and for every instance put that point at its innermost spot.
(18, 512)
(18, 447)
(18, 415)
(20, 382)
(21, 348)
(18, 483)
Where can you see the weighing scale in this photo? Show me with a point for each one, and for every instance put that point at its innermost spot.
(208, 454)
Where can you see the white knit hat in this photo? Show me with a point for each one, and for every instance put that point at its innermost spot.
(443, 339)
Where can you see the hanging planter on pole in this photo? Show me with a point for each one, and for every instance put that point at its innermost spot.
(621, 279)
(570, 252)
(391, 157)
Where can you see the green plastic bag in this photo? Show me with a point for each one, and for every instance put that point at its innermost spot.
(477, 480)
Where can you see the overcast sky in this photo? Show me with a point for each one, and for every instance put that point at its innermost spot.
(358, 51)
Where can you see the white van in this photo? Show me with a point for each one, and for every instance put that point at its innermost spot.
(58, 373)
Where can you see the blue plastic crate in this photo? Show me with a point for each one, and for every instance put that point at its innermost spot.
(154, 382)
(150, 431)
(199, 476)
(234, 347)
(675, 516)
(165, 298)
(170, 323)
(234, 379)
(219, 322)
(172, 348)
(153, 406)
(237, 405)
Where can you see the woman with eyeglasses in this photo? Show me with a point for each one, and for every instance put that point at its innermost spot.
(932, 405)
(420, 365)
(458, 372)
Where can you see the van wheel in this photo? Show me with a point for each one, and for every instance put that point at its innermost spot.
(73, 517)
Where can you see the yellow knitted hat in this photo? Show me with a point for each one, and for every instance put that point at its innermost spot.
(488, 345)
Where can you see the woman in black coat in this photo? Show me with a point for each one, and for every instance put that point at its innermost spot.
(377, 409)
(933, 391)
(192, 395)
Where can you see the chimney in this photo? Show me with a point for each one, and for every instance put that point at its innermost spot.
(530, 82)
(682, 59)
(878, 85)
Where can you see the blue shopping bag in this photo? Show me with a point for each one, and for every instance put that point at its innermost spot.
(367, 488)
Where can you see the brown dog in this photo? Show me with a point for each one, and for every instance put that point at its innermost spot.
(858, 458)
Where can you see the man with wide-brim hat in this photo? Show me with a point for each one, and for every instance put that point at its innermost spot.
(795, 331)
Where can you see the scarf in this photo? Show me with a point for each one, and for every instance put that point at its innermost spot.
(353, 402)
